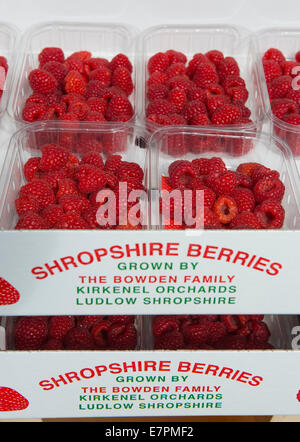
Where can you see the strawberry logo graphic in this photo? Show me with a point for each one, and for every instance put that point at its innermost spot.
(8, 294)
(11, 400)
(298, 396)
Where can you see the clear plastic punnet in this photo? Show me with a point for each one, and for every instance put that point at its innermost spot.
(103, 40)
(287, 40)
(123, 140)
(8, 38)
(168, 145)
(193, 39)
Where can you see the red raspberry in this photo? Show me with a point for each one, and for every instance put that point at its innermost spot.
(54, 112)
(37, 98)
(228, 67)
(282, 107)
(228, 114)
(293, 119)
(193, 109)
(232, 343)
(180, 82)
(214, 102)
(26, 204)
(31, 221)
(121, 60)
(199, 120)
(279, 87)
(113, 164)
(52, 345)
(175, 70)
(268, 188)
(223, 184)
(239, 95)
(205, 166)
(196, 93)
(130, 170)
(114, 142)
(195, 334)
(270, 214)
(245, 221)
(244, 180)
(244, 199)
(215, 57)
(176, 56)
(54, 157)
(74, 203)
(160, 107)
(225, 209)
(205, 75)
(103, 75)
(89, 321)
(81, 55)
(31, 168)
(74, 64)
(164, 324)
(260, 332)
(74, 83)
(71, 221)
(90, 178)
(274, 54)
(263, 172)
(66, 186)
(78, 339)
(96, 117)
(247, 168)
(272, 70)
(294, 96)
(30, 334)
(291, 68)
(157, 91)
(157, 78)
(58, 70)
(40, 190)
(178, 98)
(92, 63)
(97, 104)
(122, 337)
(170, 341)
(194, 63)
(42, 82)
(51, 54)
(211, 221)
(158, 63)
(181, 174)
(231, 82)
(59, 327)
(94, 89)
(122, 319)
(94, 159)
(52, 214)
(209, 196)
(33, 112)
(119, 106)
(177, 120)
(216, 331)
(90, 216)
(99, 333)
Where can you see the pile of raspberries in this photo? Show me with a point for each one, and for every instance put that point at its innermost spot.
(248, 198)
(212, 332)
(284, 92)
(62, 188)
(3, 65)
(206, 91)
(79, 88)
(75, 333)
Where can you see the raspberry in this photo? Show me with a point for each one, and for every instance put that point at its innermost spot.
(181, 174)
(54, 157)
(260, 332)
(103, 75)
(164, 324)
(245, 221)
(52, 214)
(215, 57)
(195, 334)
(97, 104)
(176, 56)
(175, 69)
(81, 55)
(31, 221)
(74, 64)
(96, 117)
(99, 333)
(193, 109)
(196, 93)
(30, 334)
(92, 63)
(282, 107)
(232, 343)
(51, 54)
(209, 196)
(31, 169)
(122, 337)
(74, 203)
(130, 170)
(228, 67)
(205, 75)
(178, 98)
(157, 91)
(58, 70)
(239, 95)
(42, 82)
(180, 82)
(71, 221)
(272, 70)
(216, 331)
(74, 83)
(40, 190)
(268, 188)
(263, 172)
(26, 204)
(214, 102)
(33, 112)
(94, 159)
(244, 199)
(177, 120)
(294, 96)
(170, 341)
(225, 209)
(158, 63)
(160, 107)
(293, 119)
(94, 89)
(194, 63)
(205, 166)
(66, 186)
(90, 178)
(244, 180)
(121, 60)
(78, 339)
(88, 322)
(121, 319)
(228, 114)
(279, 87)
(270, 214)
(90, 216)
(119, 106)
(59, 327)
(232, 82)
(199, 120)
(52, 345)
(157, 78)
(223, 184)
(113, 164)
(247, 168)
(274, 54)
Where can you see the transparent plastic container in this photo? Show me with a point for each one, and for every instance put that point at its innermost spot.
(8, 40)
(102, 40)
(193, 39)
(8, 324)
(287, 40)
(280, 327)
(204, 143)
(127, 141)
